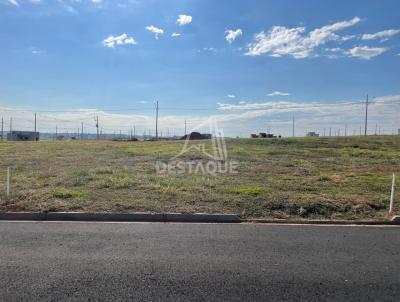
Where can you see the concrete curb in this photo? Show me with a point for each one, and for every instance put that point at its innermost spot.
(395, 220)
(175, 217)
(324, 222)
(138, 217)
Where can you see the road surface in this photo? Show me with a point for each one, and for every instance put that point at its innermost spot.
(197, 262)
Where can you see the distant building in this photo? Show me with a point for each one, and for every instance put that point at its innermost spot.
(312, 134)
(23, 136)
(196, 135)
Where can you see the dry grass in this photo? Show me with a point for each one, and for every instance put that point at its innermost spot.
(308, 177)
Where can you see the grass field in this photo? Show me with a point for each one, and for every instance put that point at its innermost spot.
(343, 177)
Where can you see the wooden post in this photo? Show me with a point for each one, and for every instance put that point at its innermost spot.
(392, 194)
(8, 182)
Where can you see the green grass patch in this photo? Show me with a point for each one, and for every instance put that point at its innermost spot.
(68, 193)
(250, 191)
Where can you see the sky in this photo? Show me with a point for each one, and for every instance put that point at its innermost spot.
(252, 66)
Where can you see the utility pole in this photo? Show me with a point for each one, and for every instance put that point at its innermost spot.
(97, 127)
(345, 130)
(324, 131)
(56, 131)
(293, 126)
(156, 120)
(10, 124)
(35, 123)
(134, 131)
(330, 131)
(366, 116)
(2, 129)
(82, 131)
(185, 127)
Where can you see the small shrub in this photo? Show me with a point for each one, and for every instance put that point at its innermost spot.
(66, 193)
(116, 182)
(324, 178)
(104, 171)
(251, 191)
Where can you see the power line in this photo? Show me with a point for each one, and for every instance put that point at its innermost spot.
(293, 127)
(2, 129)
(366, 116)
(157, 120)
(97, 128)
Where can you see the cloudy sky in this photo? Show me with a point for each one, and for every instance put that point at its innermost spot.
(250, 65)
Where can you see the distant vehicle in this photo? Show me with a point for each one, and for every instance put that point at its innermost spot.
(264, 135)
(196, 135)
(23, 136)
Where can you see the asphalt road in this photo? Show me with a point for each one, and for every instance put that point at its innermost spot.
(197, 262)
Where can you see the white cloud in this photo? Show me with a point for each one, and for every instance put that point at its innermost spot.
(334, 49)
(69, 8)
(284, 106)
(382, 34)
(13, 2)
(157, 31)
(282, 41)
(123, 39)
(184, 19)
(231, 96)
(35, 51)
(207, 49)
(278, 93)
(279, 41)
(231, 35)
(258, 106)
(387, 99)
(347, 38)
(175, 35)
(327, 33)
(366, 52)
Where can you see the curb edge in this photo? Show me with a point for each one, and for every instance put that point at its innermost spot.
(175, 217)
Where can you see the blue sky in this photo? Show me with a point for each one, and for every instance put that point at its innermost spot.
(250, 64)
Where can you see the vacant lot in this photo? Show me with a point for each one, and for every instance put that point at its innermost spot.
(346, 177)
